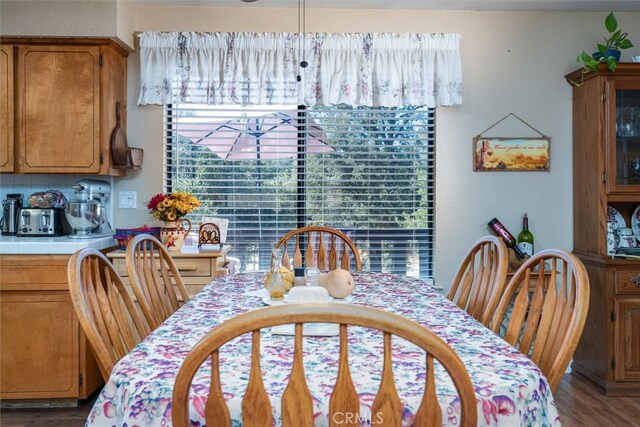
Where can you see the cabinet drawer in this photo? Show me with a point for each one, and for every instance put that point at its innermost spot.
(198, 267)
(194, 266)
(627, 282)
(34, 272)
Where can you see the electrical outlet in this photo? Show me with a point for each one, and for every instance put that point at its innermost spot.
(127, 199)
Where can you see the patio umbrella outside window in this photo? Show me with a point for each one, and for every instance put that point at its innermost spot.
(257, 134)
(266, 136)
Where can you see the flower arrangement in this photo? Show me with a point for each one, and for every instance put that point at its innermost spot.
(171, 207)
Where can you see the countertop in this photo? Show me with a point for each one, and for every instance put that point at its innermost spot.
(191, 251)
(52, 245)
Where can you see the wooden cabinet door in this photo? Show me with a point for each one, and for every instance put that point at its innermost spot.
(622, 134)
(6, 108)
(627, 341)
(38, 345)
(58, 109)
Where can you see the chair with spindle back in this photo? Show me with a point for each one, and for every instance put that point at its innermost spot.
(315, 253)
(109, 317)
(151, 270)
(481, 278)
(546, 323)
(297, 402)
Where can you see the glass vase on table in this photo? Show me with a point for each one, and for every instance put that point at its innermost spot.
(275, 282)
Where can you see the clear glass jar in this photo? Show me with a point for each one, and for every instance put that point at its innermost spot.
(275, 283)
(311, 274)
(298, 277)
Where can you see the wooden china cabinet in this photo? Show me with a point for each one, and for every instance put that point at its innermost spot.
(606, 173)
(58, 99)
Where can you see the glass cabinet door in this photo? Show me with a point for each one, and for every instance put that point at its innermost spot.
(626, 154)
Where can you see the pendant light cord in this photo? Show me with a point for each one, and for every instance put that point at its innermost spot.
(302, 30)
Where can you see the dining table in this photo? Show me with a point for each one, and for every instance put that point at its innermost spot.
(510, 389)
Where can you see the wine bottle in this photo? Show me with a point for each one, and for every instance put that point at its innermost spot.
(507, 237)
(525, 238)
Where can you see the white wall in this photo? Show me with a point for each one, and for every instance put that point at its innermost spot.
(104, 18)
(512, 62)
(58, 18)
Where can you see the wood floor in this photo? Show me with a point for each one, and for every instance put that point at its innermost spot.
(579, 406)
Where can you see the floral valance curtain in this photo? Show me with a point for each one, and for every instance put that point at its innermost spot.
(383, 70)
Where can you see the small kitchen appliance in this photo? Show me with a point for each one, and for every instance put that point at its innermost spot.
(9, 222)
(42, 222)
(86, 213)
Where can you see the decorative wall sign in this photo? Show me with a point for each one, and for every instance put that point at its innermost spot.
(511, 154)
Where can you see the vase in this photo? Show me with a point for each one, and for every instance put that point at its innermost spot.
(173, 234)
(609, 52)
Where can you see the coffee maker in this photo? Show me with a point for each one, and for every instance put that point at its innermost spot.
(86, 212)
(9, 222)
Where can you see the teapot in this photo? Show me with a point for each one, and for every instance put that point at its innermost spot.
(625, 238)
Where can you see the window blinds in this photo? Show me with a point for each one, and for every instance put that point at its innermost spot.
(366, 171)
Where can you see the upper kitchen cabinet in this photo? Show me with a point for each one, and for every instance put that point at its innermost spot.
(625, 144)
(66, 90)
(6, 109)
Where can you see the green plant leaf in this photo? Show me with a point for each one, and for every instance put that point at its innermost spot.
(584, 57)
(614, 38)
(602, 48)
(588, 63)
(611, 23)
(625, 44)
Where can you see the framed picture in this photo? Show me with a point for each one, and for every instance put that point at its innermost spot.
(511, 154)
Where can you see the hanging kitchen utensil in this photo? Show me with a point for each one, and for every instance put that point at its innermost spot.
(120, 152)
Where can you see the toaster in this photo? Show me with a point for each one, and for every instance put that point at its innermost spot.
(42, 222)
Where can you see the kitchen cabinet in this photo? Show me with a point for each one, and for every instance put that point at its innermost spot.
(606, 173)
(6, 109)
(197, 267)
(66, 90)
(627, 331)
(43, 351)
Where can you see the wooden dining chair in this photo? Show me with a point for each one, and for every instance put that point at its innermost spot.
(155, 279)
(297, 402)
(481, 278)
(107, 314)
(550, 296)
(311, 240)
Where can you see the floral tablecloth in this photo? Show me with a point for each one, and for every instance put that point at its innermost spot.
(510, 389)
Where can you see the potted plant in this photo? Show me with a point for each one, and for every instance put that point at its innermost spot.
(609, 51)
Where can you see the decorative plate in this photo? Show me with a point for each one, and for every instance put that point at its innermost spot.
(629, 251)
(267, 300)
(346, 300)
(614, 221)
(635, 222)
(614, 217)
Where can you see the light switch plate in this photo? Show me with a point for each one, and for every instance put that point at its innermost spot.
(127, 199)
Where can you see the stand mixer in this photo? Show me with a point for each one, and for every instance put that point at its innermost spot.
(86, 213)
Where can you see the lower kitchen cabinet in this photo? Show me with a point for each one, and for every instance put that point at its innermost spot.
(608, 354)
(196, 267)
(43, 351)
(627, 332)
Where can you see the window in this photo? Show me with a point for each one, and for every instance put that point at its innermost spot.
(366, 171)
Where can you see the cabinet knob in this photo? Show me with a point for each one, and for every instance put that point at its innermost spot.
(635, 280)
